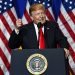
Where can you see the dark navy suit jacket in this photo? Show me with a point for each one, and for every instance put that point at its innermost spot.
(28, 40)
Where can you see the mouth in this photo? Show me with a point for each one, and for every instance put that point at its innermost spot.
(42, 20)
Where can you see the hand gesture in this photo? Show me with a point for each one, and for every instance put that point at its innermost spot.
(18, 23)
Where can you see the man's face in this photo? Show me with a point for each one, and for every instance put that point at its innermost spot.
(39, 16)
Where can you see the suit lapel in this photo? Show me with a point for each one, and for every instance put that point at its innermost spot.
(46, 28)
(33, 37)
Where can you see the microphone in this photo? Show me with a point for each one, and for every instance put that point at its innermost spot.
(39, 25)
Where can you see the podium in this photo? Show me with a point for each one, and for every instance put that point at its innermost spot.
(54, 65)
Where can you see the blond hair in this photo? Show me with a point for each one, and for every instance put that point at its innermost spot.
(35, 7)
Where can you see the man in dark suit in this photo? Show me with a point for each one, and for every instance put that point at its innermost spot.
(26, 36)
(28, 40)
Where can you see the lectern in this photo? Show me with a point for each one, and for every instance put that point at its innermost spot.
(38, 62)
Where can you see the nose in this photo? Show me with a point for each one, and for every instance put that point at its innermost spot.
(41, 15)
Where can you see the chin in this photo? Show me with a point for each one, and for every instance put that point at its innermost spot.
(43, 21)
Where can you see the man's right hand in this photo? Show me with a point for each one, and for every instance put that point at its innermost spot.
(18, 23)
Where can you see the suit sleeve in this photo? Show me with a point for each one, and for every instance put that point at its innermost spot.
(14, 40)
(60, 38)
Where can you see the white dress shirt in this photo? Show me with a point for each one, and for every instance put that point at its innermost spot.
(36, 30)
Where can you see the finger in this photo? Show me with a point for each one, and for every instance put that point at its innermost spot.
(67, 53)
(18, 23)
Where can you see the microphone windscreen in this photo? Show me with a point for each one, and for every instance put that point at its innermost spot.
(39, 25)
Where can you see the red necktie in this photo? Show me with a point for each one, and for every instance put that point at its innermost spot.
(41, 39)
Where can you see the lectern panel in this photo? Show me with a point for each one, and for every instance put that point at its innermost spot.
(35, 61)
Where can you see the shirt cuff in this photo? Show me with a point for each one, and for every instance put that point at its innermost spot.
(17, 31)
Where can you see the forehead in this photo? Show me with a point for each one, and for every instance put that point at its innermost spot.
(38, 11)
